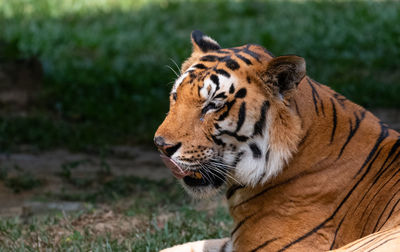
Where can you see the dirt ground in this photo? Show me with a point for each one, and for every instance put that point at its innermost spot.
(49, 167)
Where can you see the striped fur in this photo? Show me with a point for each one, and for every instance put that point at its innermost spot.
(305, 168)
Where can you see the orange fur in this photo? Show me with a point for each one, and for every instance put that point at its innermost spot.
(336, 165)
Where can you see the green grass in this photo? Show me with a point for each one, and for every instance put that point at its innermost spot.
(186, 225)
(161, 210)
(105, 62)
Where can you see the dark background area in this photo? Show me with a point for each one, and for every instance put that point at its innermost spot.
(97, 73)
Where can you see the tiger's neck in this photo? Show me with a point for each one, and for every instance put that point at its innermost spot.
(329, 192)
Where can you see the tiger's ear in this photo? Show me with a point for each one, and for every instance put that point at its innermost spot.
(285, 72)
(203, 43)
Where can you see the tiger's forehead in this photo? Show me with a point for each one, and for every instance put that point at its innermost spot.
(206, 83)
(219, 67)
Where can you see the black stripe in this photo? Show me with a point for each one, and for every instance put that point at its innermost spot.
(200, 66)
(384, 209)
(340, 99)
(358, 120)
(224, 51)
(381, 236)
(221, 95)
(224, 58)
(237, 158)
(305, 137)
(315, 97)
(214, 78)
(264, 244)
(235, 50)
(260, 124)
(241, 223)
(377, 192)
(247, 51)
(255, 150)
(240, 138)
(244, 59)
(394, 238)
(384, 133)
(248, 79)
(380, 204)
(209, 58)
(241, 116)
(390, 214)
(228, 109)
(223, 248)
(232, 89)
(394, 159)
(394, 148)
(232, 64)
(336, 232)
(268, 189)
(322, 224)
(381, 172)
(241, 93)
(261, 177)
(223, 72)
(267, 156)
(209, 106)
(218, 141)
(231, 191)
(192, 75)
(366, 222)
(322, 107)
(334, 120)
(366, 243)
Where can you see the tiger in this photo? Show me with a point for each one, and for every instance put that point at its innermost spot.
(303, 168)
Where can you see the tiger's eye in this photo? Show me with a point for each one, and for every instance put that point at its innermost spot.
(208, 107)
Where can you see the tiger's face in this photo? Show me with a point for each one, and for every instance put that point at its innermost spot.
(230, 119)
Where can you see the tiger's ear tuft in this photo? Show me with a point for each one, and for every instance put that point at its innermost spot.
(203, 42)
(285, 72)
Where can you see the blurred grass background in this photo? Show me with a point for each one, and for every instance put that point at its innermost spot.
(105, 62)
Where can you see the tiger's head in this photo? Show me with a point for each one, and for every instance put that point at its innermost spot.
(230, 117)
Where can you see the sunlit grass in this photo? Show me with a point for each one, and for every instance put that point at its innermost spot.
(56, 8)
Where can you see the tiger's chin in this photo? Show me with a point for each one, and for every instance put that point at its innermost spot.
(204, 186)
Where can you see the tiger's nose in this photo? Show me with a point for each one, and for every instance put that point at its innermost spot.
(166, 148)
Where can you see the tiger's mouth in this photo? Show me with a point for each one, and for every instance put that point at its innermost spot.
(194, 177)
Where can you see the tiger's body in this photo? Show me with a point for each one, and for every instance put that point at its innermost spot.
(306, 169)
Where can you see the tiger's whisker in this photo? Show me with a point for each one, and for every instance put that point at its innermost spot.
(173, 70)
(173, 61)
